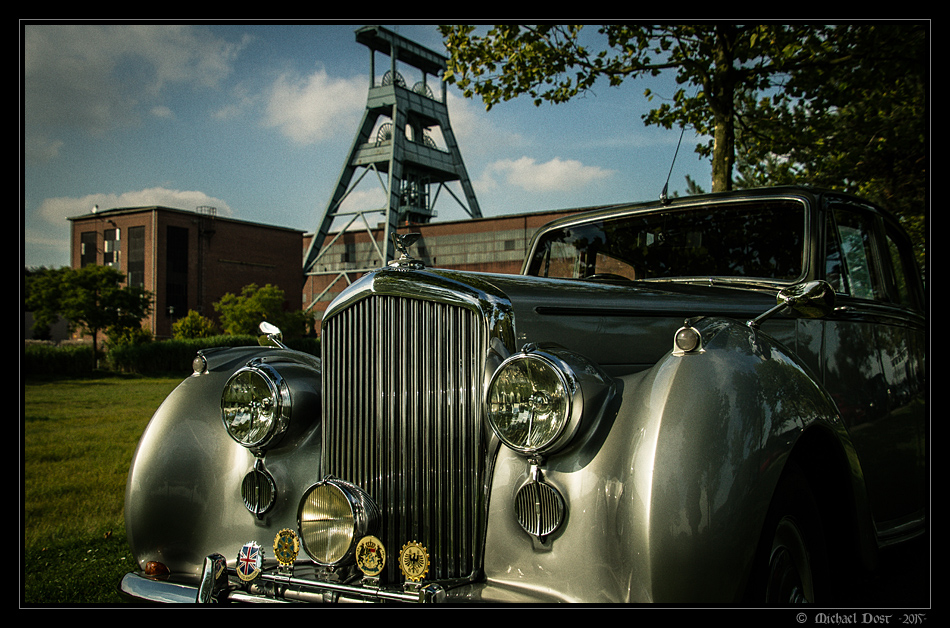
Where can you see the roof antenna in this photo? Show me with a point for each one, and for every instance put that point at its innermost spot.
(663, 196)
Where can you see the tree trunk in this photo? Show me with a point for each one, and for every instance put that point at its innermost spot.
(95, 349)
(723, 154)
(723, 105)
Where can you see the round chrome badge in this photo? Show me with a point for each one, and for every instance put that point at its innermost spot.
(370, 556)
(414, 561)
(249, 561)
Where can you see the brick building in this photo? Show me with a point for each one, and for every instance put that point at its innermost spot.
(187, 259)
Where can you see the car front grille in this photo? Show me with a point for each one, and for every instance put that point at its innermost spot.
(402, 382)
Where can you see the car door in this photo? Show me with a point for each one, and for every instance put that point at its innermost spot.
(874, 359)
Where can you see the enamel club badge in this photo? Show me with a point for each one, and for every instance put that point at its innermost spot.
(286, 547)
(249, 561)
(414, 561)
(370, 556)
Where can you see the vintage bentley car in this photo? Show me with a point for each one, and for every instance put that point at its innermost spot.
(715, 399)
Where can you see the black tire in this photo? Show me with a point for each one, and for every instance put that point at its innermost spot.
(791, 562)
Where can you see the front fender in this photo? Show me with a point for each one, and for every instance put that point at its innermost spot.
(728, 419)
(183, 495)
(667, 497)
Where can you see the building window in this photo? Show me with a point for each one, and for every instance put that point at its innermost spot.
(87, 248)
(135, 264)
(176, 272)
(111, 248)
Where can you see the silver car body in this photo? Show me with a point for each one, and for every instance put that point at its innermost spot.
(661, 487)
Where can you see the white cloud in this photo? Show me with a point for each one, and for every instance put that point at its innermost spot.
(55, 210)
(96, 77)
(161, 111)
(555, 175)
(316, 107)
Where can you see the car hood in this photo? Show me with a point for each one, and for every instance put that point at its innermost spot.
(627, 325)
(624, 324)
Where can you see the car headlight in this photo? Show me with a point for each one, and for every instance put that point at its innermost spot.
(533, 402)
(255, 406)
(333, 516)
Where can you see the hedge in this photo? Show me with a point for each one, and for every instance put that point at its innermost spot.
(163, 357)
(57, 360)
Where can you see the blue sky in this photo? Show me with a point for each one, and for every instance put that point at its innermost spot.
(257, 119)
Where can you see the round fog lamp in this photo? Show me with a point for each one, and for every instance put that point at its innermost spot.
(333, 516)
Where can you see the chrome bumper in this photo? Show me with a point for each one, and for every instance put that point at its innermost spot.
(215, 586)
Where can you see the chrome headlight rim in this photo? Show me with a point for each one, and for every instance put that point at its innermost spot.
(365, 521)
(570, 391)
(279, 399)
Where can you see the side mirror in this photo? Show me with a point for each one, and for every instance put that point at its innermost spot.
(272, 337)
(812, 299)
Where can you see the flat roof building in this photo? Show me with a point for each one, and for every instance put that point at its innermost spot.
(187, 259)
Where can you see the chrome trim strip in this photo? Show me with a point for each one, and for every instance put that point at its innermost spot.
(272, 588)
(138, 587)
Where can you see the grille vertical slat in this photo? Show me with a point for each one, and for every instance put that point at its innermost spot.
(402, 380)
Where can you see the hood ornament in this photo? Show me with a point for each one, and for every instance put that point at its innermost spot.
(402, 242)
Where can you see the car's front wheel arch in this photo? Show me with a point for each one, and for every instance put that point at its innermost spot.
(791, 564)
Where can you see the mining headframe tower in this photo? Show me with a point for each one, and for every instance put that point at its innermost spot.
(396, 141)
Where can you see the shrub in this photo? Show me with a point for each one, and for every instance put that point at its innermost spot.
(194, 325)
(48, 360)
(168, 356)
(165, 357)
(129, 335)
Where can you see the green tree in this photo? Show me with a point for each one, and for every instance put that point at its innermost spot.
(241, 314)
(859, 126)
(194, 325)
(91, 299)
(43, 288)
(726, 72)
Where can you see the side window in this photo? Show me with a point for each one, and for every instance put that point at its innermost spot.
(904, 273)
(852, 265)
(834, 264)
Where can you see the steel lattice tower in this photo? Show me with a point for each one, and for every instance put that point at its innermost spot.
(394, 140)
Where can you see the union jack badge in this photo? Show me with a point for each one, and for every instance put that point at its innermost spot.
(249, 561)
(370, 556)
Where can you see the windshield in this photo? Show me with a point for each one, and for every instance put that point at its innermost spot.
(761, 240)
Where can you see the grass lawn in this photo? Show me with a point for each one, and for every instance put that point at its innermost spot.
(78, 439)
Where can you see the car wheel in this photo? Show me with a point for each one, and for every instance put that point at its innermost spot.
(791, 564)
(789, 578)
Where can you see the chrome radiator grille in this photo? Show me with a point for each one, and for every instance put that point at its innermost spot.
(402, 384)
